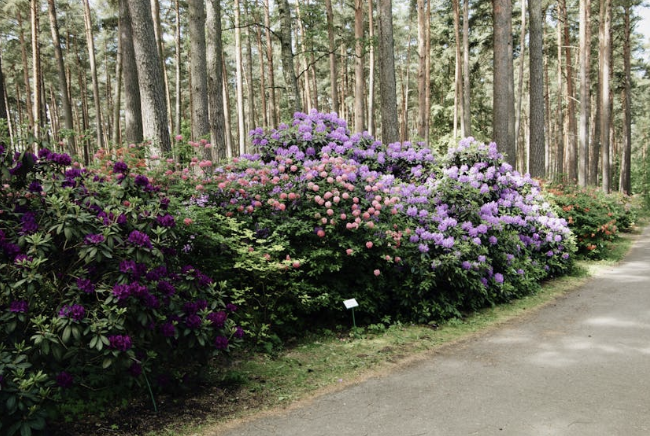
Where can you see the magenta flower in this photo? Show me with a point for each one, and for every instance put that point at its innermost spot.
(94, 239)
(221, 343)
(19, 306)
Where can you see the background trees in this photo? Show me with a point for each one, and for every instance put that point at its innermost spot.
(579, 97)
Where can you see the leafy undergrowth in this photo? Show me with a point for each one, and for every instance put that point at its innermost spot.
(332, 360)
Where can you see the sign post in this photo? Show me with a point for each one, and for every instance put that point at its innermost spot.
(351, 304)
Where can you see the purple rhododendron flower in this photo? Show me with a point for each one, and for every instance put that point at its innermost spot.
(94, 239)
(75, 312)
(85, 285)
(239, 332)
(140, 239)
(141, 180)
(19, 306)
(120, 342)
(498, 277)
(120, 167)
(218, 319)
(221, 342)
(231, 307)
(165, 220)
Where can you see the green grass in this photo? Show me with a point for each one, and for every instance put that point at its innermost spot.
(331, 361)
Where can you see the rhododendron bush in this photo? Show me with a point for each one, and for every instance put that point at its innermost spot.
(93, 295)
(323, 215)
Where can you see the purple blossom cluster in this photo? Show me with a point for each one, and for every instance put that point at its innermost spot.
(120, 342)
(139, 239)
(75, 312)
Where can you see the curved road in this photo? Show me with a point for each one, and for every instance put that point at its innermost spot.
(580, 366)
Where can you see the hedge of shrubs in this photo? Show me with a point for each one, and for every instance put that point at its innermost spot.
(319, 215)
(113, 275)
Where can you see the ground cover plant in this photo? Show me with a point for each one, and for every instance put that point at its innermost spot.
(94, 300)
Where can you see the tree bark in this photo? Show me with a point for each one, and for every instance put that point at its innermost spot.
(422, 55)
(537, 155)
(274, 110)
(178, 48)
(387, 86)
(63, 80)
(371, 67)
(520, 91)
(23, 52)
(585, 92)
(604, 54)
(36, 68)
(572, 146)
(198, 72)
(625, 180)
(503, 103)
(288, 68)
(90, 41)
(334, 88)
(214, 59)
(359, 76)
(260, 52)
(150, 77)
(467, 109)
(155, 15)
(133, 133)
(239, 80)
(458, 83)
(4, 118)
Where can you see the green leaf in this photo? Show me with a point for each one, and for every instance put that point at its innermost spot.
(107, 362)
(66, 334)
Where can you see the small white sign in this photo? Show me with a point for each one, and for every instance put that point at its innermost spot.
(351, 303)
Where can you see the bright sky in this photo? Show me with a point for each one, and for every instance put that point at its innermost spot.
(643, 26)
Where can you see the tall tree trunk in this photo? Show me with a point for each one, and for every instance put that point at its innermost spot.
(36, 68)
(422, 55)
(359, 76)
(157, 27)
(150, 77)
(90, 42)
(252, 113)
(241, 135)
(625, 180)
(604, 54)
(28, 89)
(133, 132)
(4, 117)
(215, 78)
(520, 91)
(117, 99)
(226, 111)
(334, 89)
(274, 111)
(572, 146)
(387, 86)
(198, 72)
(178, 48)
(503, 104)
(537, 155)
(585, 94)
(260, 52)
(427, 74)
(467, 109)
(300, 40)
(560, 140)
(458, 84)
(63, 80)
(288, 68)
(371, 72)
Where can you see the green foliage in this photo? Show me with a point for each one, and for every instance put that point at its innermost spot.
(94, 295)
(596, 218)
